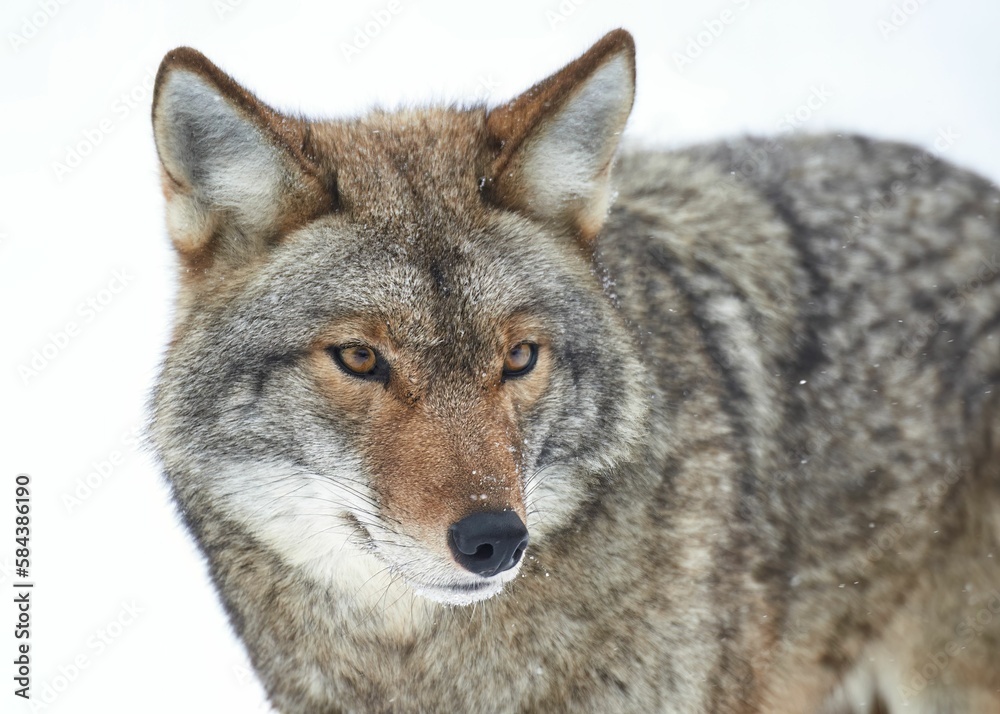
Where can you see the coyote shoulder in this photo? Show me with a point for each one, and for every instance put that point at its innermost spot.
(470, 413)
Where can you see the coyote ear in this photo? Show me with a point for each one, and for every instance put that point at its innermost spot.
(557, 140)
(235, 172)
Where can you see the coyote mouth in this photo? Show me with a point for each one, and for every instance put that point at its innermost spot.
(459, 593)
(446, 593)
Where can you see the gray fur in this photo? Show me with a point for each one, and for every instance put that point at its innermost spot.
(765, 471)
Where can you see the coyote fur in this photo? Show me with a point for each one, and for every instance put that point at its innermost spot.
(471, 411)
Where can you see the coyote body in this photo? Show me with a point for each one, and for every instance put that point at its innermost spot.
(746, 412)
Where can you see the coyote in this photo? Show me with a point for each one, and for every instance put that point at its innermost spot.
(468, 415)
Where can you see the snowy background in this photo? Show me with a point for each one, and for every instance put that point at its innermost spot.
(124, 619)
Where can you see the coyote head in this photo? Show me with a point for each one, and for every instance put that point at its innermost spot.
(392, 349)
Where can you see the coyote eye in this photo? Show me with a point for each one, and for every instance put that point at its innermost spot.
(520, 359)
(361, 361)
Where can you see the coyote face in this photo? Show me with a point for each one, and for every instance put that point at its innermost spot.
(390, 355)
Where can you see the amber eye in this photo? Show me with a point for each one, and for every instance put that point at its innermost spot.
(520, 359)
(360, 361)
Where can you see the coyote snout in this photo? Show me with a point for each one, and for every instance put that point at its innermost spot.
(452, 488)
(488, 543)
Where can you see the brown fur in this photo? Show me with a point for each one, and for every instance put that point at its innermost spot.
(754, 479)
(510, 125)
(308, 198)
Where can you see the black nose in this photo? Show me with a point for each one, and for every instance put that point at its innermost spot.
(488, 543)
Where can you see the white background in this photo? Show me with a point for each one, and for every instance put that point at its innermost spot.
(80, 72)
